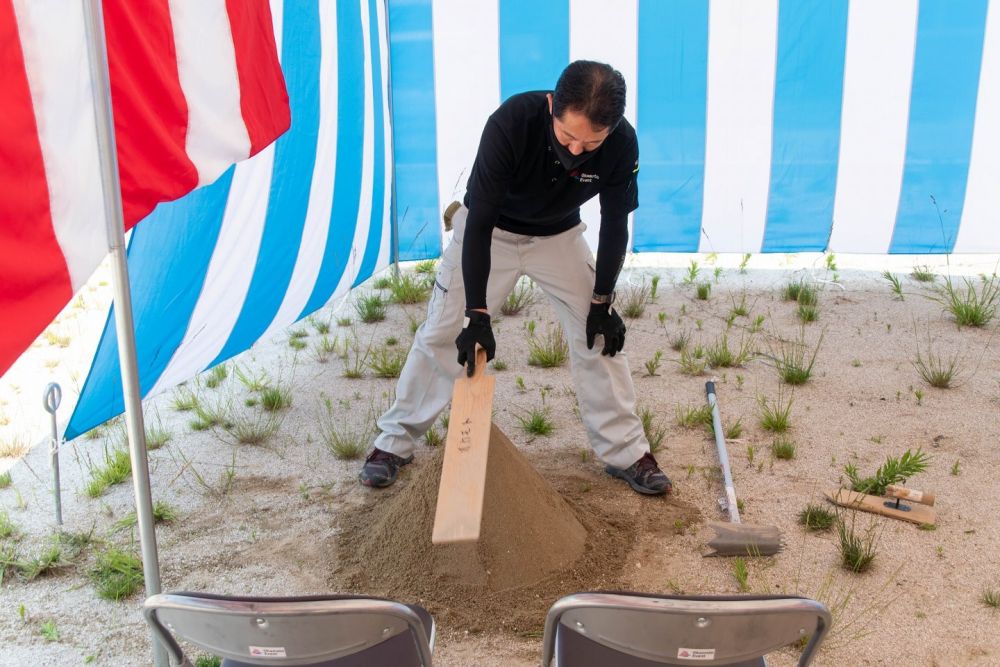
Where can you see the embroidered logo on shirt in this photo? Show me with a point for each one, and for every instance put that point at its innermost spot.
(583, 177)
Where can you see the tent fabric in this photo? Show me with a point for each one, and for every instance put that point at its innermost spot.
(869, 126)
(276, 236)
(195, 85)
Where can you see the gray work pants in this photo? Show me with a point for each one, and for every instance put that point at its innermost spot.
(563, 267)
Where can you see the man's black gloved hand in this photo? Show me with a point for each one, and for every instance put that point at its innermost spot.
(604, 320)
(478, 330)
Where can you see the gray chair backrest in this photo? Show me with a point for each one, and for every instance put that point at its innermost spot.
(348, 631)
(638, 630)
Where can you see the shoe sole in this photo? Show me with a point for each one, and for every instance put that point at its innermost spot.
(645, 490)
(389, 482)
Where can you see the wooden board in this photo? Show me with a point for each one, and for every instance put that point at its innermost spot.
(879, 505)
(463, 471)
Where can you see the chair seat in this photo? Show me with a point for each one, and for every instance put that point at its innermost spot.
(398, 650)
(577, 650)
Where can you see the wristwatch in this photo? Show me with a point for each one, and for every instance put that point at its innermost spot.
(603, 298)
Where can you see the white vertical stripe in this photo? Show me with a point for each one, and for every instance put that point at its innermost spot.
(878, 71)
(610, 37)
(317, 223)
(58, 69)
(742, 45)
(206, 66)
(363, 221)
(466, 86)
(232, 265)
(980, 227)
(386, 244)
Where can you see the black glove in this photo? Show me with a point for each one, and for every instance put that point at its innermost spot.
(604, 320)
(478, 330)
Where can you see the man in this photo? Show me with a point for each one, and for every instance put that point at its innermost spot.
(541, 156)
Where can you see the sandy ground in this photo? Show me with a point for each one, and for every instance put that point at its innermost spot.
(278, 529)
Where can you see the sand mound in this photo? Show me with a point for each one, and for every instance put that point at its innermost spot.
(536, 545)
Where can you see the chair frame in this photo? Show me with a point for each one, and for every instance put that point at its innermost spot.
(317, 605)
(687, 605)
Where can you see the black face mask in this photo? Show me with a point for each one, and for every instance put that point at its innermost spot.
(567, 159)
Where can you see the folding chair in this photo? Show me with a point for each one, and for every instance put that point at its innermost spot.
(638, 630)
(311, 631)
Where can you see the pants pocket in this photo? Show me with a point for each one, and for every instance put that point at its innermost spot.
(440, 293)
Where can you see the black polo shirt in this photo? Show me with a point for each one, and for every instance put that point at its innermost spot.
(518, 184)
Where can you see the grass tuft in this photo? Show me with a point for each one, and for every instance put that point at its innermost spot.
(775, 416)
(407, 288)
(370, 308)
(654, 429)
(632, 300)
(991, 598)
(116, 574)
(522, 296)
(117, 468)
(720, 355)
(216, 376)
(816, 517)
(693, 416)
(935, 369)
(345, 440)
(5, 479)
(923, 274)
(793, 359)
(275, 398)
(858, 548)
(548, 351)
(162, 513)
(387, 361)
(783, 448)
(971, 307)
(536, 421)
(703, 291)
(185, 399)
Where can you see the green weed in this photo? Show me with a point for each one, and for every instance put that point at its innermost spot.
(895, 470)
(549, 351)
(117, 574)
(793, 359)
(652, 365)
(971, 307)
(858, 548)
(370, 308)
(775, 416)
(405, 288)
(536, 421)
(817, 517)
(655, 431)
(783, 448)
(522, 296)
(386, 361)
(216, 376)
(632, 300)
(703, 291)
(117, 468)
(897, 286)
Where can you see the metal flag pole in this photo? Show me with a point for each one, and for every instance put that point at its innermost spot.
(111, 187)
(393, 210)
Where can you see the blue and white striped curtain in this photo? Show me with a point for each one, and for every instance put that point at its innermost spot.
(279, 235)
(764, 126)
(867, 126)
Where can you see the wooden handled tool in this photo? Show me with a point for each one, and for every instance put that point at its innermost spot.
(922, 497)
(463, 471)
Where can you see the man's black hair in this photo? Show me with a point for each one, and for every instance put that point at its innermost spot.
(596, 90)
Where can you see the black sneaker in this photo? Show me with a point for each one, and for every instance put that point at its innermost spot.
(381, 468)
(644, 476)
